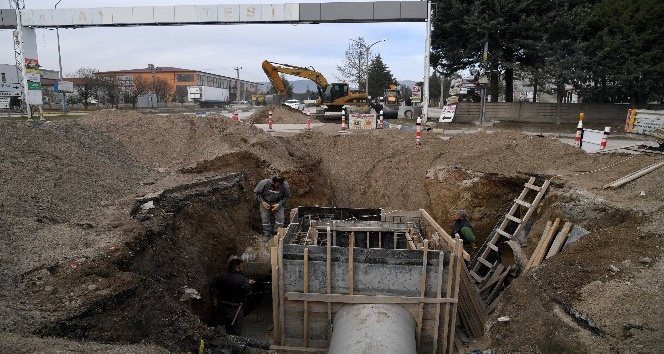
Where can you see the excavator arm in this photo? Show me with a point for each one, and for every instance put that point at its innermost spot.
(272, 70)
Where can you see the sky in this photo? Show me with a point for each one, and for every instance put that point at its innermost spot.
(219, 48)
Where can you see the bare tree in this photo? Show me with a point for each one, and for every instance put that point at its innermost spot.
(162, 89)
(142, 85)
(111, 89)
(88, 85)
(354, 67)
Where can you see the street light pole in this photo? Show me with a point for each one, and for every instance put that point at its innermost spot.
(237, 84)
(367, 51)
(64, 97)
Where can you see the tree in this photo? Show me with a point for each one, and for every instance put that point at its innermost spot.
(87, 85)
(162, 89)
(141, 86)
(354, 66)
(181, 94)
(380, 77)
(434, 87)
(111, 90)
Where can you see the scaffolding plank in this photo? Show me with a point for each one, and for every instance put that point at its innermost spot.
(275, 290)
(305, 330)
(423, 280)
(559, 240)
(366, 299)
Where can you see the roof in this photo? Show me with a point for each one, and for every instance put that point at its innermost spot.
(148, 70)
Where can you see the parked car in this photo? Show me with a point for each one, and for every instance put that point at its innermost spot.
(295, 104)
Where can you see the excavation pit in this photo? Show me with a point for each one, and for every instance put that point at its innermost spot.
(330, 258)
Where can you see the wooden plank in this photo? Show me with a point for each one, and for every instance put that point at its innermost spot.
(423, 282)
(524, 203)
(619, 182)
(455, 294)
(305, 336)
(513, 218)
(547, 228)
(475, 276)
(298, 349)
(559, 241)
(532, 186)
(275, 294)
(328, 284)
(439, 288)
(485, 262)
(543, 245)
(351, 278)
(444, 235)
(282, 321)
(365, 299)
(499, 284)
(494, 278)
(504, 234)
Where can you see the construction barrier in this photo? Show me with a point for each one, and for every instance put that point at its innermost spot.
(596, 137)
(308, 121)
(644, 121)
(605, 138)
(269, 122)
(235, 116)
(381, 124)
(418, 133)
(578, 139)
(343, 121)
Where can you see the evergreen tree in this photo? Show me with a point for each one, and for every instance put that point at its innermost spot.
(380, 77)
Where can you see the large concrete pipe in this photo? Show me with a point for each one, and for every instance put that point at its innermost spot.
(365, 329)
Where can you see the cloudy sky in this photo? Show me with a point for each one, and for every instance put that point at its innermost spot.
(218, 49)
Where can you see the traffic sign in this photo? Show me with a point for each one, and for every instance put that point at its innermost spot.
(10, 89)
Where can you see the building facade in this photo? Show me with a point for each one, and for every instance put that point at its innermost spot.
(179, 79)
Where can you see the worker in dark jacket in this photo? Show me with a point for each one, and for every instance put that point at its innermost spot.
(232, 290)
(463, 229)
(273, 195)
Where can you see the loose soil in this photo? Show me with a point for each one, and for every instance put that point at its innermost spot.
(88, 265)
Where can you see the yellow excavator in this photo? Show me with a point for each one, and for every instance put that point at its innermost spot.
(334, 95)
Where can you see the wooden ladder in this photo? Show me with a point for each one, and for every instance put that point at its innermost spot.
(480, 267)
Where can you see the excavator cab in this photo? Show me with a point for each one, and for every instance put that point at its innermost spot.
(336, 91)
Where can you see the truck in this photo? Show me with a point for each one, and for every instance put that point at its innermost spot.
(207, 96)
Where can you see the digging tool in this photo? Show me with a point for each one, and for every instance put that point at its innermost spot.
(236, 314)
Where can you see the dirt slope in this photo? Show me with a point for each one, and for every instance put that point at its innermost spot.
(68, 212)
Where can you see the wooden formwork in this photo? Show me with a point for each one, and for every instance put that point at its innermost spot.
(387, 260)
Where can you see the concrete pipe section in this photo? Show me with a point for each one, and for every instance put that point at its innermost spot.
(363, 329)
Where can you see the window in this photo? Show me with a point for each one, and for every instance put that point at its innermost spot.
(4, 78)
(184, 77)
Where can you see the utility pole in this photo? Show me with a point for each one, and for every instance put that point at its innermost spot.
(64, 97)
(237, 83)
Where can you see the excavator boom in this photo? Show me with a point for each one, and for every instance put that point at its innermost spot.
(334, 96)
(272, 71)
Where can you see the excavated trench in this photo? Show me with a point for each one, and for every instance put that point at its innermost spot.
(185, 236)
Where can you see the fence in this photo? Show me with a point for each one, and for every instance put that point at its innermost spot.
(564, 113)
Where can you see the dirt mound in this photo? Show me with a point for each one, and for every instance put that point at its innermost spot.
(280, 115)
(86, 256)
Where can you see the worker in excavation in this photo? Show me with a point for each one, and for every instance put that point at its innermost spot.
(232, 289)
(463, 229)
(273, 195)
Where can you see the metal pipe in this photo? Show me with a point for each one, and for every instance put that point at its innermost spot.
(384, 328)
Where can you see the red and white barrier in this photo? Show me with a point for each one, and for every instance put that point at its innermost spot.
(343, 121)
(605, 138)
(578, 139)
(380, 120)
(308, 121)
(269, 121)
(235, 116)
(418, 134)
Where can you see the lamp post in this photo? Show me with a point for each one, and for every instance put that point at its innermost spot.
(64, 97)
(368, 49)
(237, 84)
